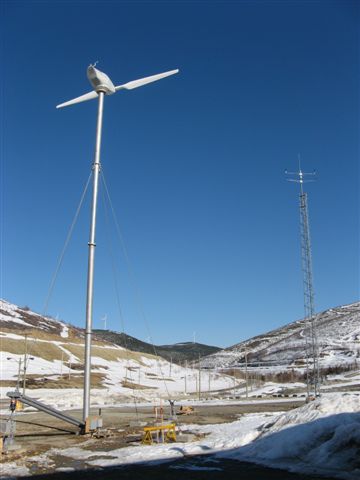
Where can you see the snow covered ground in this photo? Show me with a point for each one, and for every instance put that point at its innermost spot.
(150, 377)
(56, 351)
(322, 437)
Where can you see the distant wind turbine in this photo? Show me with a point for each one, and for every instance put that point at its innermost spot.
(103, 319)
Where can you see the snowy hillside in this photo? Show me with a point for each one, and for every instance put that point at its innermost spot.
(21, 319)
(338, 331)
(55, 353)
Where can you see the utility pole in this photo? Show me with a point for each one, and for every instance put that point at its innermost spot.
(306, 261)
(61, 365)
(25, 365)
(170, 366)
(19, 373)
(246, 376)
(199, 379)
(185, 377)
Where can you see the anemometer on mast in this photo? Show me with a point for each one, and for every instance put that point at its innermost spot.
(102, 85)
(301, 177)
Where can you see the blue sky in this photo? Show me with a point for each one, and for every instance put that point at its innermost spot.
(194, 163)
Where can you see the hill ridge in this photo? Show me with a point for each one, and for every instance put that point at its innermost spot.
(338, 337)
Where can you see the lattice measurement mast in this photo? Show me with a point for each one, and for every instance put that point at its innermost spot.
(311, 338)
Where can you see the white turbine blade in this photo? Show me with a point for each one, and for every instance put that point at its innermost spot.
(143, 81)
(82, 98)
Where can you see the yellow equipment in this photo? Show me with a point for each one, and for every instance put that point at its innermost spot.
(186, 410)
(165, 433)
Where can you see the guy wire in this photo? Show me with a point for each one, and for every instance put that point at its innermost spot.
(132, 278)
(115, 278)
(59, 263)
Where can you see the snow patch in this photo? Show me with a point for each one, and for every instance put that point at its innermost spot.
(12, 469)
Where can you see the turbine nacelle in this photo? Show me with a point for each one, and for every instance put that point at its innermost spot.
(100, 81)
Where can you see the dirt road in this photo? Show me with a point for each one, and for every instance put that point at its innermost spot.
(38, 424)
(36, 432)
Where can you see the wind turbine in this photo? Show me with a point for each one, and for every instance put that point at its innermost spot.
(104, 318)
(102, 85)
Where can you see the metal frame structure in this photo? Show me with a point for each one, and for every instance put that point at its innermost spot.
(17, 396)
(164, 434)
(311, 338)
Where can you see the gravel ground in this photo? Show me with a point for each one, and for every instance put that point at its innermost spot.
(34, 437)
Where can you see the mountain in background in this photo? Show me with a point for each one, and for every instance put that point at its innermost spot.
(177, 353)
(22, 319)
(338, 333)
(53, 353)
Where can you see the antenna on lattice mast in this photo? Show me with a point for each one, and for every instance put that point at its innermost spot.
(301, 177)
